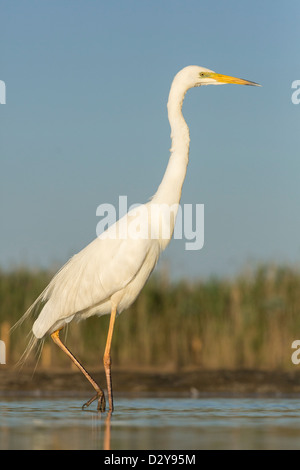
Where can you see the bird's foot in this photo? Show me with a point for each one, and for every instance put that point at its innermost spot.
(101, 401)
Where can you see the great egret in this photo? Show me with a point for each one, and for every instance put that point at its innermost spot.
(108, 274)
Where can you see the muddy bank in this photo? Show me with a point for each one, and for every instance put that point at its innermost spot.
(193, 382)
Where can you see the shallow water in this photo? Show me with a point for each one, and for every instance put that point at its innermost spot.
(151, 423)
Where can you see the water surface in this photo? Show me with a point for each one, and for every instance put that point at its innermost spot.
(151, 423)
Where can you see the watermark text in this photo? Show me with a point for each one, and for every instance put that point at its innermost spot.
(296, 354)
(153, 221)
(296, 94)
(2, 352)
(2, 92)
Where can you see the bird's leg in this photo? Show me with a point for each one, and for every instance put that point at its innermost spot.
(107, 358)
(100, 394)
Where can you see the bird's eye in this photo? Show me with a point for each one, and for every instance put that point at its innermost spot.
(202, 74)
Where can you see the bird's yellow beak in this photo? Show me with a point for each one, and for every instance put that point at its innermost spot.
(226, 79)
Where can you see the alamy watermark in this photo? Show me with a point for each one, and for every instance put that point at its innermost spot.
(296, 94)
(153, 221)
(2, 352)
(2, 92)
(296, 354)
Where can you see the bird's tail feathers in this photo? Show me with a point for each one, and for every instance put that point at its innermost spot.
(33, 310)
(33, 344)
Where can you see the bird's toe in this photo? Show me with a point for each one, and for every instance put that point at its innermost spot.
(101, 401)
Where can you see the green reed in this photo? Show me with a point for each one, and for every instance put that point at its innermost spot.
(246, 322)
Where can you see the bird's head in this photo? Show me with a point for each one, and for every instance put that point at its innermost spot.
(194, 76)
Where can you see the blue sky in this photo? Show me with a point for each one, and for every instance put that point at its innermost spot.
(85, 121)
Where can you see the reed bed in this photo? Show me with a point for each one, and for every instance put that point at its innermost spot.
(246, 322)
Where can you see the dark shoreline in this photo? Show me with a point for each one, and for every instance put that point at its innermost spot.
(194, 383)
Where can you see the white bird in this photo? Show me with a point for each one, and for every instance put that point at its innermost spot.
(109, 273)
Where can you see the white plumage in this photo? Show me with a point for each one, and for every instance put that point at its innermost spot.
(107, 272)
(107, 275)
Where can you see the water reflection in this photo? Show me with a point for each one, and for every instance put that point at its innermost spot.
(152, 423)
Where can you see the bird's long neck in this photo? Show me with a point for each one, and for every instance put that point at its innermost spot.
(169, 191)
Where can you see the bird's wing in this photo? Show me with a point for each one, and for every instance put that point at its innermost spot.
(97, 272)
(102, 268)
